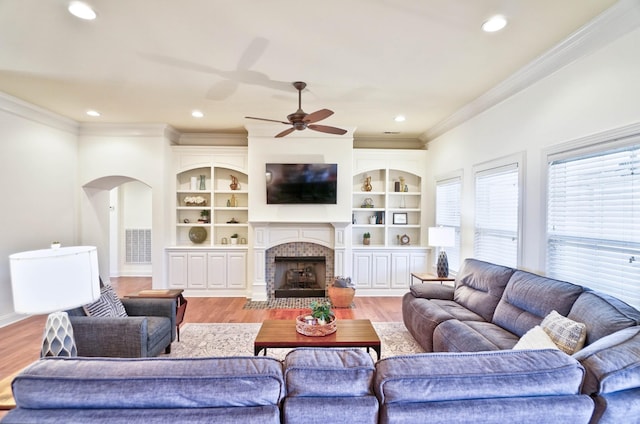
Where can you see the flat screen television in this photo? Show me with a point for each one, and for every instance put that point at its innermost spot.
(302, 183)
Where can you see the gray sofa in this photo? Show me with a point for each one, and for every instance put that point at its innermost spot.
(491, 307)
(148, 330)
(311, 386)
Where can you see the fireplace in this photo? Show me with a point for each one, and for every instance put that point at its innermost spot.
(300, 276)
(298, 269)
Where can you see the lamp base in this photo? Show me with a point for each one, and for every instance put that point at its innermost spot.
(443, 265)
(58, 336)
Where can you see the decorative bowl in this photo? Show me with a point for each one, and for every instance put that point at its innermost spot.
(197, 235)
(314, 329)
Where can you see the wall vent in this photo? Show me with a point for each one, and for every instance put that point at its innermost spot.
(138, 246)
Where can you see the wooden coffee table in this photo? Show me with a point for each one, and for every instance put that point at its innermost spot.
(350, 333)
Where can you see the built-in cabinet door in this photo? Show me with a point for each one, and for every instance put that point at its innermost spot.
(197, 270)
(216, 270)
(362, 270)
(381, 273)
(401, 271)
(236, 270)
(178, 270)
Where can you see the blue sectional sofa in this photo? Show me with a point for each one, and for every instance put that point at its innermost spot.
(311, 386)
(492, 307)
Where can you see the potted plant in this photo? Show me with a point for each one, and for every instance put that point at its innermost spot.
(321, 321)
(322, 312)
(341, 292)
(234, 238)
(204, 216)
(366, 239)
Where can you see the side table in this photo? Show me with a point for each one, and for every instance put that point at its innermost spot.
(428, 277)
(181, 302)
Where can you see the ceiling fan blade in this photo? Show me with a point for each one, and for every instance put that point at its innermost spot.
(268, 120)
(327, 129)
(285, 132)
(318, 115)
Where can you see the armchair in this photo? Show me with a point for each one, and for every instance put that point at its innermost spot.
(149, 329)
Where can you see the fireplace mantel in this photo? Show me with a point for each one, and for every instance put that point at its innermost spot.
(267, 235)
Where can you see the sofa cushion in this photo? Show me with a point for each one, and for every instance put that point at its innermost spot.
(536, 338)
(602, 314)
(529, 298)
(432, 377)
(612, 362)
(421, 316)
(471, 336)
(567, 334)
(432, 291)
(99, 383)
(108, 305)
(328, 372)
(479, 286)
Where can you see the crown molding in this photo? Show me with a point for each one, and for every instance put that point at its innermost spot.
(611, 24)
(212, 139)
(127, 130)
(23, 109)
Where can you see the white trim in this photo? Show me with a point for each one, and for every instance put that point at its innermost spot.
(619, 19)
(12, 318)
(37, 114)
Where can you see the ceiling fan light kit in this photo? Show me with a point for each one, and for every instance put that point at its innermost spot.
(300, 120)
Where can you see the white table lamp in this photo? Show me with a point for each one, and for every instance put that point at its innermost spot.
(442, 237)
(50, 281)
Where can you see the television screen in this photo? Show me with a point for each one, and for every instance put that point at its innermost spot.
(304, 183)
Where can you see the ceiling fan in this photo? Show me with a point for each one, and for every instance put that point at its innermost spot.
(299, 120)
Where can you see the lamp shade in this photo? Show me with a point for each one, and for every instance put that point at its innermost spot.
(49, 280)
(442, 236)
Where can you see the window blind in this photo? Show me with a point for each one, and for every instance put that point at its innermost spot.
(496, 215)
(593, 221)
(448, 215)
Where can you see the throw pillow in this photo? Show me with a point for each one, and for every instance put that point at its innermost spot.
(109, 305)
(567, 334)
(536, 338)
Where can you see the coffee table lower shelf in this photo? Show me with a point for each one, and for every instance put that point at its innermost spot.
(350, 333)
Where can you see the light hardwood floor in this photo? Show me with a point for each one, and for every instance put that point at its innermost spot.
(20, 342)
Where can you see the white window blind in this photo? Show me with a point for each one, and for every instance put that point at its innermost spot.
(593, 221)
(496, 215)
(448, 215)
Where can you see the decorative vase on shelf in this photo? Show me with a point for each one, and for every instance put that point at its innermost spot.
(234, 183)
(203, 182)
(367, 184)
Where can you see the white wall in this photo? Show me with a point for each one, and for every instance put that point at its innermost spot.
(135, 206)
(110, 156)
(38, 186)
(599, 92)
(298, 147)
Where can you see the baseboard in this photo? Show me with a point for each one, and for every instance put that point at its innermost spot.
(12, 318)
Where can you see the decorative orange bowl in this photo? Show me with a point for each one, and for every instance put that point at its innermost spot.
(313, 329)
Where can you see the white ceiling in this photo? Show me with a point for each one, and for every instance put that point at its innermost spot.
(154, 61)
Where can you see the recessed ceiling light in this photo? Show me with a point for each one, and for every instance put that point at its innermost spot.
(495, 23)
(399, 118)
(81, 10)
(197, 114)
(93, 113)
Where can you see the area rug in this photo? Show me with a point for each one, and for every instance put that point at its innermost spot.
(286, 303)
(204, 340)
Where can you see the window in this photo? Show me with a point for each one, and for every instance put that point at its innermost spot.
(448, 215)
(593, 219)
(496, 237)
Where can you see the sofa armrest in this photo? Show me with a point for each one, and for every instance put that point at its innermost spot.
(113, 337)
(434, 377)
(432, 291)
(158, 307)
(612, 363)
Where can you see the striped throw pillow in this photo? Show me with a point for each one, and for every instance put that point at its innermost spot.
(109, 305)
